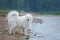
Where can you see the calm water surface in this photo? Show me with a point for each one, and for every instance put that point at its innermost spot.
(48, 30)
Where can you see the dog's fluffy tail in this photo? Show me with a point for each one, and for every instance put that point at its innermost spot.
(12, 14)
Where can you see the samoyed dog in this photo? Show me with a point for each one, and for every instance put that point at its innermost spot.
(14, 20)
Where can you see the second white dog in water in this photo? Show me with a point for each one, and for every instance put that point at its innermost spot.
(14, 20)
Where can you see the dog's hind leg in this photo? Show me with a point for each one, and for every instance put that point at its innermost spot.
(11, 30)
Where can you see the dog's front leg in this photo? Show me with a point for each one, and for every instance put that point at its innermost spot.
(25, 31)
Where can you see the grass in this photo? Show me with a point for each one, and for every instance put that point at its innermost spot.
(50, 13)
(40, 13)
(4, 10)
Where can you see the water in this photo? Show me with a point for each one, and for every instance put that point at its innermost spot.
(48, 30)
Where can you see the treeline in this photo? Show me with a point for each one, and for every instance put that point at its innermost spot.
(31, 5)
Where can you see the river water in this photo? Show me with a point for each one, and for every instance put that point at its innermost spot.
(48, 30)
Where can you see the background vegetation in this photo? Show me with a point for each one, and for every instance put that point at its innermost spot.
(40, 6)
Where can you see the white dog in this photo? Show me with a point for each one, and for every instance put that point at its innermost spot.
(14, 20)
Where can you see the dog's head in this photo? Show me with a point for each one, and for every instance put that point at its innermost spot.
(29, 17)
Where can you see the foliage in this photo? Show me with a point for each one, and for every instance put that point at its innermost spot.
(31, 5)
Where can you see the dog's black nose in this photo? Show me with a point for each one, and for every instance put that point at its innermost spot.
(26, 38)
(28, 19)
